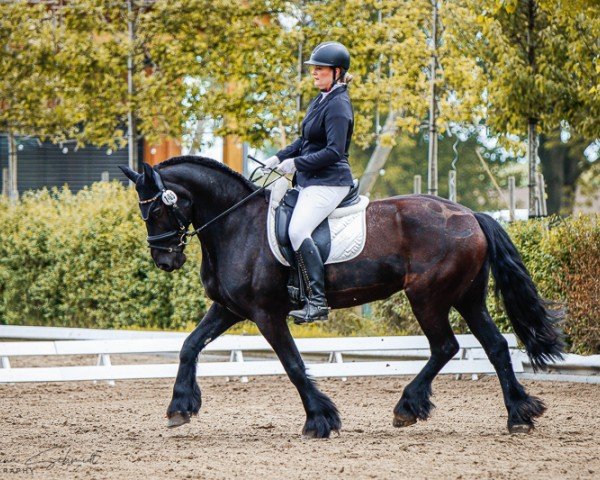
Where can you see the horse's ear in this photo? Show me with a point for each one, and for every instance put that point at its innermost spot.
(148, 171)
(129, 173)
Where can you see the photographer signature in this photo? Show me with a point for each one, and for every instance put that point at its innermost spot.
(54, 456)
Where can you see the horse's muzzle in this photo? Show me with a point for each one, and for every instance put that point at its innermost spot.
(168, 261)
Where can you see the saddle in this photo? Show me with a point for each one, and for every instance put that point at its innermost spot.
(340, 237)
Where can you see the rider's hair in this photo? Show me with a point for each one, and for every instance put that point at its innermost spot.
(345, 77)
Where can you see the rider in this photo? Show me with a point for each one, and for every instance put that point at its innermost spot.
(319, 159)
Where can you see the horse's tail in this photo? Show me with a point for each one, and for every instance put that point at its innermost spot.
(532, 319)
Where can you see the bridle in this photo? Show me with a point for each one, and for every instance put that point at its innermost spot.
(169, 199)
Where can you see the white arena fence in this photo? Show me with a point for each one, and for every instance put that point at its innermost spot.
(574, 367)
(471, 358)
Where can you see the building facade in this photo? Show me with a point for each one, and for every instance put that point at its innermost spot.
(43, 164)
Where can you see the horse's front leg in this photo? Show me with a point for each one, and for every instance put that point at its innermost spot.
(322, 415)
(186, 399)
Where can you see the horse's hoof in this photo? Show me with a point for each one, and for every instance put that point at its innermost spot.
(178, 419)
(520, 428)
(401, 421)
(314, 435)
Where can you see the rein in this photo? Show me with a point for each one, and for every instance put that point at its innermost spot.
(169, 198)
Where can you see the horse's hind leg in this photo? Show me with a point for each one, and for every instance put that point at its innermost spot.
(186, 399)
(322, 416)
(522, 408)
(415, 404)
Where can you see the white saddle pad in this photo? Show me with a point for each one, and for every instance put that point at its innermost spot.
(347, 225)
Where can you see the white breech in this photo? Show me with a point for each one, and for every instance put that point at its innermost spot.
(314, 205)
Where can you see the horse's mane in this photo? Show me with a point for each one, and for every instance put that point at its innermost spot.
(210, 163)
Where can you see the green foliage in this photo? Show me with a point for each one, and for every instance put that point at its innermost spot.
(35, 96)
(575, 247)
(538, 63)
(80, 261)
(396, 313)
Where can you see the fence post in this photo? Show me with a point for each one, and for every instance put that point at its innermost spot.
(4, 362)
(237, 356)
(452, 185)
(336, 357)
(417, 185)
(104, 361)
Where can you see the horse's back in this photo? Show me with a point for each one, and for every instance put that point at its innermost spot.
(429, 236)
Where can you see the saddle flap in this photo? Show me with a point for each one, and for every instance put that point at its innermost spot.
(291, 197)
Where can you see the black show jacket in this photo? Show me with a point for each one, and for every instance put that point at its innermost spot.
(321, 153)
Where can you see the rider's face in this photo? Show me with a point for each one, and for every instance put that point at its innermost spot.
(322, 76)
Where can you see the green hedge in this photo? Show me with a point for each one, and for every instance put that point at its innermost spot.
(81, 261)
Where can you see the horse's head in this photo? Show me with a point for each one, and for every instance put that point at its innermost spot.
(167, 213)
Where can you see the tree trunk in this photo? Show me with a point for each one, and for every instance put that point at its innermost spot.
(553, 156)
(562, 165)
(532, 154)
(131, 119)
(379, 157)
(13, 190)
(432, 163)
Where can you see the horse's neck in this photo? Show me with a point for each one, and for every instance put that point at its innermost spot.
(214, 193)
(231, 244)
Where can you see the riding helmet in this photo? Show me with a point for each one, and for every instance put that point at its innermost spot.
(330, 54)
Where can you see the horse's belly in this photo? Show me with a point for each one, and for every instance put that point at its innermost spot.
(364, 280)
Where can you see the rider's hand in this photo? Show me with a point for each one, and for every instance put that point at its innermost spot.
(287, 166)
(270, 164)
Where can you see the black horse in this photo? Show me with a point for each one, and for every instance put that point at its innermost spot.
(439, 252)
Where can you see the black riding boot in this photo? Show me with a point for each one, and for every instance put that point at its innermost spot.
(312, 270)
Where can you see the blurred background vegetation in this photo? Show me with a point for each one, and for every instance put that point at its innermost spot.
(235, 68)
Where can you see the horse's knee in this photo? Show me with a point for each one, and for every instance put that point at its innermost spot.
(447, 349)
(188, 353)
(498, 348)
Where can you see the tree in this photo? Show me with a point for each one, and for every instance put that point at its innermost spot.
(192, 60)
(564, 162)
(537, 60)
(35, 98)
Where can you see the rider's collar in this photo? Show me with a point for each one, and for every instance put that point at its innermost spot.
(324, 93)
